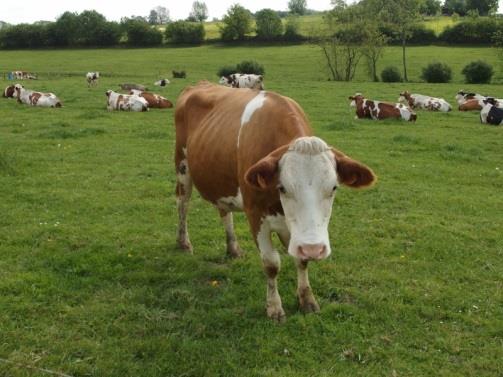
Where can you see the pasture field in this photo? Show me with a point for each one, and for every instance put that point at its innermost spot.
(91, 283)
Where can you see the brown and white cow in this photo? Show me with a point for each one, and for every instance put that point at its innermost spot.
(378, 110)
(254, 151)
(33, 98)
(420, 101)
(243, 80)
(21, 75)
(92, 78)
(9, 92)
(125, 102)
(154, 100)
(462, 96)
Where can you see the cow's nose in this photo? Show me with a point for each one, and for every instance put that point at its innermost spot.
(315, 251)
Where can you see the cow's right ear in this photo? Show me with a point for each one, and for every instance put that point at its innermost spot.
(353, 173)
(351, 98)
(264, 174)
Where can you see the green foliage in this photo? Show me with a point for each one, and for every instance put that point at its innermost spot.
(436, 73)
(226, 70)
(185, 32)
(482, 7)
(236, 23)
(269, 26)
(391, 74)
(297, 6)
(474, 31)
(199, 11)
(292, 29)
(478, 72)
(24, 36)
(141, 34)
(250, 66)
(430, 7)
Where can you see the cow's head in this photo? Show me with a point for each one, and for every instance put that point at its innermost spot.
(18, 88)
(405, 98)
(225, 80)
(357, 98)
(108, 92)
(490, 101)
(9, 91)
(307, 174)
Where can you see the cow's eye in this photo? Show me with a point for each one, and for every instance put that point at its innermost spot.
(334, 188)
(282, 189)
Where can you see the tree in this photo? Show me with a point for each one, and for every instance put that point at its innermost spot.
(199, 11)
(162, 15)
(484, 7)
(140, 33)
(185, 32)
(297, 6)
(269, 24)
(455, 6)
(374, 43)
(236, 23)
(153, 17)
(430, 7)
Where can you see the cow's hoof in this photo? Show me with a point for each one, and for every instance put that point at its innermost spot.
(234, 252)
(276, 313)
(185, 246)
(307, 302)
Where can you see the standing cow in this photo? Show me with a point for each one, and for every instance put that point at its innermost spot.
(32, 98)
(378, 110)
(92, 78)
(242, 80)
(255, 152)
(420, 101)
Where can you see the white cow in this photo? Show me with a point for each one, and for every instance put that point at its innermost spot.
(162, 82)
(420, 101)
(125, 102)
(33, 98)
(92, 78)
(243, 80)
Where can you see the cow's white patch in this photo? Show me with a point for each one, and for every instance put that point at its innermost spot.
(485, 112)
(256, 103)
(183, 179)
(231, 203)
(405, 112)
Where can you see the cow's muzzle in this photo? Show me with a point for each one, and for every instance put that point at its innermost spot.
(316, 251)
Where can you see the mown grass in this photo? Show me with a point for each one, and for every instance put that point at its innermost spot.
(92, 285)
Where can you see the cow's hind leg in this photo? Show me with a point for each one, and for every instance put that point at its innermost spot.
(233, 249)
(307, 302)
(183, 192)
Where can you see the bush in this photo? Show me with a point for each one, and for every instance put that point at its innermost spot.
(226, 70)
(185, 32)
(477, 31)
(391, 74)
(292, 29)
(141, 34)
(236, 23)
(269, 26)
(437, 72)
(250, 66)
(420, 35)
(477, 72)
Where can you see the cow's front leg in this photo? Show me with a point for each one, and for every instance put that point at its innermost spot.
(271, 263)
(307, 302)
(233, 249)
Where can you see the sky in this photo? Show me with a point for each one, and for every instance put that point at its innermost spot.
(29, 11)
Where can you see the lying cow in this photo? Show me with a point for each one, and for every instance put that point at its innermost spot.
(162, 82)
(254, 151)
(32, 98)
(132, 86)
(125, 102)
(9, 91)
(378, 110)
(22, 75)
(420, 101)
(179, 74)
(154, 100)
(92, 78)
(242, 80)
(472, 105)
(491, 114)
(463, 96)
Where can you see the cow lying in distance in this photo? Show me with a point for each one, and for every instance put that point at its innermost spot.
(420, 101)
(125, 102)
(179, 74)
(474, 101)
(154, 100)
(133, 86)
(255, 152)
(162, 82)
(378, 110)
(462, 96)
(491, 114)
(472, 105)
(22, 75)
(243, 80)
(32, 98)
(92, 78)
(9, 92)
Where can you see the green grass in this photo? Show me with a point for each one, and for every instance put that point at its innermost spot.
(91, 283)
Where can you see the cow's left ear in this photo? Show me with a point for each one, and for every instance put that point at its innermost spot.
(353, 173)
(264, 174)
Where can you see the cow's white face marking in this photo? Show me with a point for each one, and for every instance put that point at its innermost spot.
(231, 203)
(307, 182)
(405, 113)
(403, 100)
(223, 81)
(256, 103)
